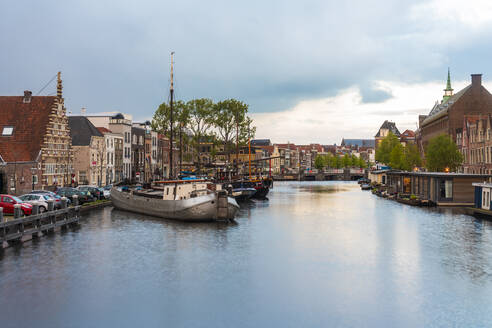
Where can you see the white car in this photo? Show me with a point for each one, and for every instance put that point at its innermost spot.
(37, 198)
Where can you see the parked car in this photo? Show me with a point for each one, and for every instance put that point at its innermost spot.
(93, 190)
(107, 191)
(69, 192)
(55, 196)
(8, 202)
(41, 199)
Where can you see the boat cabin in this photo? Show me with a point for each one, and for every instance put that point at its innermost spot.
(451, 189)
(179, 190)
(379, 176)
(483, 195)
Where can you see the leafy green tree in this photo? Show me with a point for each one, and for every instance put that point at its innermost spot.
(396, 157)
(362, 163)
(354, 161)
(161, 123)
(412, 157)
(442, 153)
(383, 152)
(338, 162)
(232, 123)
(319, 162)
(327, 159)
(347, 160)
(201, 120)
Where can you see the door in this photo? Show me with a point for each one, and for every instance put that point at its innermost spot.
(7, 204)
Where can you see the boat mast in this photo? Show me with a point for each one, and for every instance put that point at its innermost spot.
(171, 92)
(249, 153)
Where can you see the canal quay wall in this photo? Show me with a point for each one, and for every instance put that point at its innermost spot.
(17, 229)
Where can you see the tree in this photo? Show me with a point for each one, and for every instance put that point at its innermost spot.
(396, 157)
(442, 154)
(384, 149)
(411, 157)
(232, 123)
(355, 160)
(347, 160)
(319, 162)
(201, 120)
(362, 163)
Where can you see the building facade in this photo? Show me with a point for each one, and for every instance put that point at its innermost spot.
(89, 152)
(35, 145)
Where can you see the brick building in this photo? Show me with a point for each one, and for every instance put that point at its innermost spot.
(446, 117)
(35, 145)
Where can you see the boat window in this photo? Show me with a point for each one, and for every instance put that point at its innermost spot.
(446, 189)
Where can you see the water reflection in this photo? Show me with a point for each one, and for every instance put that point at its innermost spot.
(314, 254)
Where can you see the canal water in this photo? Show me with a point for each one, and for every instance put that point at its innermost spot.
(316, 254)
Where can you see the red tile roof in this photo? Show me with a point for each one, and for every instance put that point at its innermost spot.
(29, 121)
(103, 130)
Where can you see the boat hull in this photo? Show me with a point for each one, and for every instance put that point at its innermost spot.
(202, 208)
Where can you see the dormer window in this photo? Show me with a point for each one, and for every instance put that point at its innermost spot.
(7, 130)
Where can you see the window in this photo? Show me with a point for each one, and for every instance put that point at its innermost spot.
(7, 130)
(445, 189)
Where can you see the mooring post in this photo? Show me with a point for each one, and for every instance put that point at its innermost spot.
(35, 208)
(1, 215)
(64, 202)
(17, 211)
(75, 200)
(51, 204)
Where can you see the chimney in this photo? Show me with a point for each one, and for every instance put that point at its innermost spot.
(476, 80)
(27, 96)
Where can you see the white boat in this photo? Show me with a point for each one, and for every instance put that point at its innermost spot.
(178, 200)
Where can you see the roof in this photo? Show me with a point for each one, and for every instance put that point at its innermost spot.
(287, 146)
(408, 134)
(82, 130)
(261, 142)
(391, 126)
(371, 143)
(440, 109)
(103, 130)
(29, 121)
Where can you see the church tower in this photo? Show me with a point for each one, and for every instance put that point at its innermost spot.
(448, 92)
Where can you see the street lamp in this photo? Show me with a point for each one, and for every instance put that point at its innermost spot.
(34, 177)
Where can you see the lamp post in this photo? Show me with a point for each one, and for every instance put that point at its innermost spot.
(34, 170)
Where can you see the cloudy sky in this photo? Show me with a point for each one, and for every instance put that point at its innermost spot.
(311, 71)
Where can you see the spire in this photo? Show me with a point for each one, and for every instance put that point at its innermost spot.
(448, 84)
(448, 92)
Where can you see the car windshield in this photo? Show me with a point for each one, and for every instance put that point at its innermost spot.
(46, 197)
(107, 188)
(17, 199)
(25, 197)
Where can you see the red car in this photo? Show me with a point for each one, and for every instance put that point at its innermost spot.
(8, 202)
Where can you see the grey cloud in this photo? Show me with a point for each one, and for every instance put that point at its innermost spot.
(271, 55)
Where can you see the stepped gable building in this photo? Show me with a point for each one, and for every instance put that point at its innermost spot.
(35, 144)
(384, 130)
(89, 151)
(446, 117)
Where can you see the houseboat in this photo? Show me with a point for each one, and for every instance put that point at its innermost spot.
(483, 206)
(437, 188)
